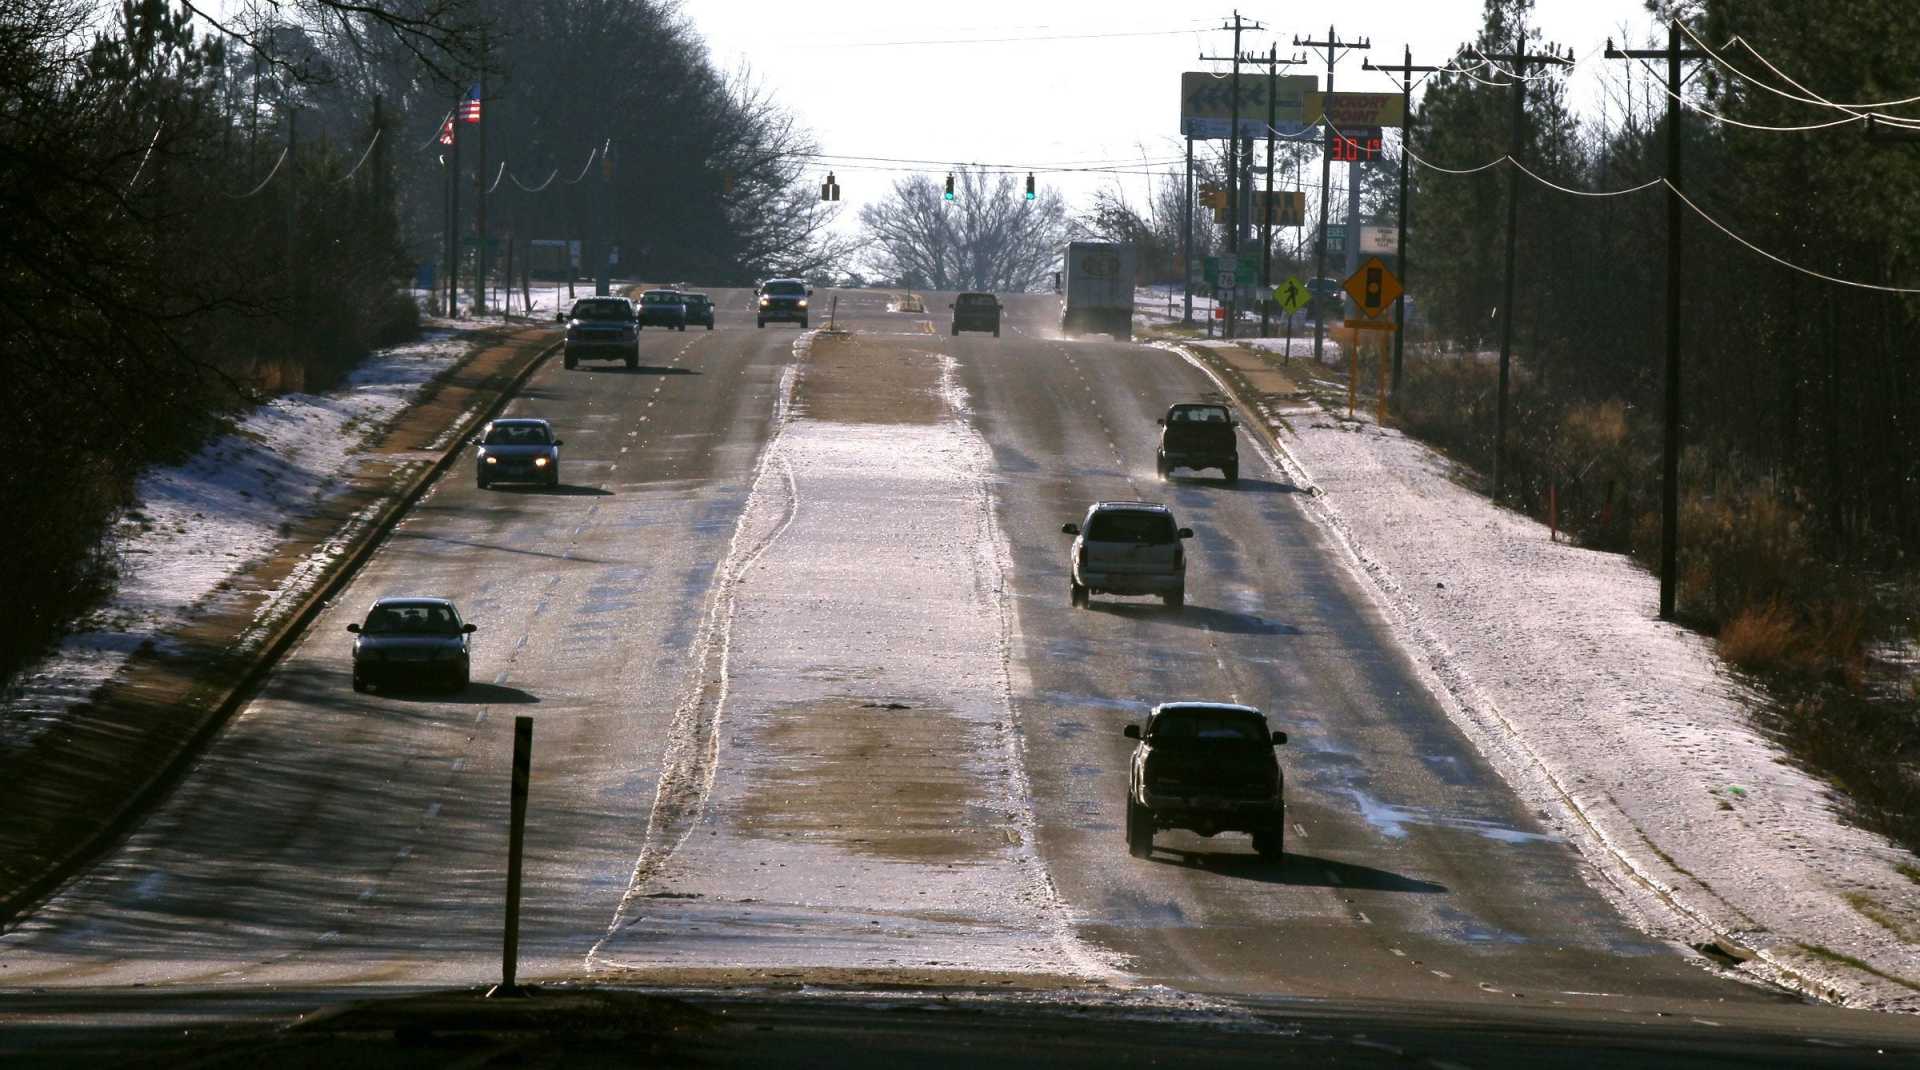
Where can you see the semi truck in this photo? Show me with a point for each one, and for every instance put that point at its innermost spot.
(1098, 290)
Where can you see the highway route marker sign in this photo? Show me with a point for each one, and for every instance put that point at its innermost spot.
(1373, 287)
(1228, 281)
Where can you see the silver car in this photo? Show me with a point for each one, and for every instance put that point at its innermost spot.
(1128, 548)
(519, 450)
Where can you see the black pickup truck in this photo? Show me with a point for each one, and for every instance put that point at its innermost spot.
(1208, 767)
(1198, 435)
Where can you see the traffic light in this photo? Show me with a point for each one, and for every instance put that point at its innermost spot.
(830, 189)
(1029, 185)
(949, 193)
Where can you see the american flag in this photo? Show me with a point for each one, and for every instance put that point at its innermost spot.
(470, 107)
(446, 130)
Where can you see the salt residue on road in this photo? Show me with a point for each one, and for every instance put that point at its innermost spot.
(196, 525)
(1627, 730)
(865, 808)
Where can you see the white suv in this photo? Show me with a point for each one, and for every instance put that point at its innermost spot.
(1128, 548)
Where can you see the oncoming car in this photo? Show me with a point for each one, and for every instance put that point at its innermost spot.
(412, 640)
(783, 300)
(1207, 767)
(601, 328)
(517, 450)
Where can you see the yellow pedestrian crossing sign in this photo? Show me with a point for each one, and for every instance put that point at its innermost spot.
(1290, 295)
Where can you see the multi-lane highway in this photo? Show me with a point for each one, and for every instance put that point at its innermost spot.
(811, 702)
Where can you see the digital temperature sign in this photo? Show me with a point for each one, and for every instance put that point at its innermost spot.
(1354, 146)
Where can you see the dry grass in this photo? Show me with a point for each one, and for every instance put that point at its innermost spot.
(1759, 637)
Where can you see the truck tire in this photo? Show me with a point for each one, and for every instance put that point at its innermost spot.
(1231, 470)
(1139, 829)
(569, 362)
(761, 323)
(1079, 596)
(1176, 599)
(633, 361)
(956, 330)
(1160, 467)
(996, 332)
(1271, 844)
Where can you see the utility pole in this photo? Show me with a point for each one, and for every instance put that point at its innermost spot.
(1517, 61)
(1234, 177)
(480, 192)
(1335, 48)
(1274, 63)
(454, 246)
(1186, 243)
(1406, 70)
(1670, 449)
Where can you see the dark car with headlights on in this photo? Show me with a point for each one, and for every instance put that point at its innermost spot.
(783, 300)
(699, 310)
(516, 450)
(663, 308)
(412, 640)
(1207, 767)
(601, 328)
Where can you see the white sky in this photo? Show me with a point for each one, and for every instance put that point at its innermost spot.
(1037, 102)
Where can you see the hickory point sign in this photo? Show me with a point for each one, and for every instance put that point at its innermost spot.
(1206, 104)
(1353, 112)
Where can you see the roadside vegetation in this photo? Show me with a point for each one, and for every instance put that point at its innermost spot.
(200, 216)
(1800, 495)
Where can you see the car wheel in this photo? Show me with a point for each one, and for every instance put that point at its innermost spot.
(632, 363)
(1270, 844)
(457, 682)
(359, 682)
(553, 477)
(760, 323)
(709, 326)
(570, 361)
(481, 482)
(996, 332)
(1176, 599)
(1080, 596)
(1139, 829)
(1160, 467)
(803, 324)
(956, 331)
(1232, 472)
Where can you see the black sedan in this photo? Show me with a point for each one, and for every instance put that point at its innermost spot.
(420, 640)
(517, 450)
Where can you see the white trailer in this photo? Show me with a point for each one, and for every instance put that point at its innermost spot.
(1098, 290)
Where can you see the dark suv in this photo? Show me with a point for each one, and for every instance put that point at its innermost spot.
(699, 309)
(601, 328)
(1198, 435)
(976, 312)
(1207, 767)
(663, 308)
(783, 299)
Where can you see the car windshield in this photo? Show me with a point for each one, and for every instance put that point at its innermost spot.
(517, 435)
(1207, 726)
(976, 299)
(785, 288)
(1131, 525)
(412, 618)
(698, 299)
(660, 297)
(602, 310)
(1198, 414)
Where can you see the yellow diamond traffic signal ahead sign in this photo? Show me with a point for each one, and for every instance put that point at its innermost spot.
(1373, 288)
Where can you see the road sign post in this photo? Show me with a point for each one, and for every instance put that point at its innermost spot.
(516, 844)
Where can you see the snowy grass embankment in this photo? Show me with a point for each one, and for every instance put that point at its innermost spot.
(1630, 730)
(197, 525)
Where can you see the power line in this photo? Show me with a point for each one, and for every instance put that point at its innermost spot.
(1851, 117)
(263, 182)
(941, 42)
(363, 159)
(1816, 99)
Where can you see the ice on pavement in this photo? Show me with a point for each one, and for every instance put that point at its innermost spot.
(1627, 729)
(195, 525)
(866, 806)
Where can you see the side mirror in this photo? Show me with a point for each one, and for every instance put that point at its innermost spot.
(950, 304)
(469, 629)
(1132, 731)
(1069, 529)
(1162, 422)
(1279, 738)
(354, 628)
(559, 442)
(809, 292)
(1186, 533)
(559, 317)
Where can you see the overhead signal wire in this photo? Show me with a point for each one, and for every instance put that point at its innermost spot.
(263, 182)
(363, 159)
(1850, 117)
(551, 175)
(1689, 202)
(584, 168)
(497, 176)
(1813, 98)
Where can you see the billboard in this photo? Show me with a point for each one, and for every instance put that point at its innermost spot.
(1206, 103)
(1355, 111)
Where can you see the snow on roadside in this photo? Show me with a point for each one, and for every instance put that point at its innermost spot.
(197, 524)
(1551, 657)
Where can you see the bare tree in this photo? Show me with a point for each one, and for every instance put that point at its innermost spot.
(989, 237)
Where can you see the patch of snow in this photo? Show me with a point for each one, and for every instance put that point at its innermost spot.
(195, 526)
(1553, 660)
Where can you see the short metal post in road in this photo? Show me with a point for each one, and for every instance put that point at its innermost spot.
(516, 841)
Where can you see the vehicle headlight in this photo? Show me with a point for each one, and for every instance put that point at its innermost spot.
(763, 300)
(493, 460)
(573, 323)
(803, 302)
(539, 462)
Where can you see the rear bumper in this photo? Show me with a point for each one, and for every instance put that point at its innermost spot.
(1193, 459)
(1209, 815)
(601, 350)
(1133, 582)
(964, 323)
